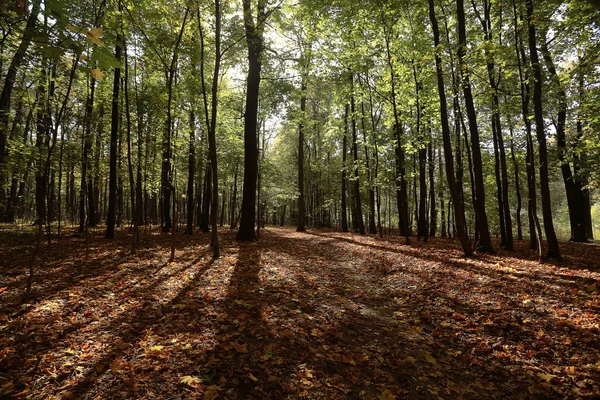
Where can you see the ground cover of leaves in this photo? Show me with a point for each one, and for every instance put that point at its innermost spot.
(296, 315)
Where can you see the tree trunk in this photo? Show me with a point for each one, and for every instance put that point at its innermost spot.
(360, 225)
(212, 146)
(189, 229)
(553, 248)
(458, 205)
(344, 172)
(517, 184)
(485, 243)
(534, 232)
(573, 185)
(301, 209)
(432, 206)
(114, 136)
(254, 40)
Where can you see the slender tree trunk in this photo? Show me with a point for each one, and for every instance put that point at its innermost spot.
(553, 248)
(232, 216)
(432, 206)
(344, 172)
(114, 136)
(517, 183)
(301, 210)
(191, 178)
(360, 225)
(485, 243)
(372, 226)
(458, 205)
(534, 233)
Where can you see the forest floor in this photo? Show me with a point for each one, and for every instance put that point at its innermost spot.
(296, 315)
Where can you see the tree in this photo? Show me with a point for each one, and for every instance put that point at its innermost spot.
(254, 27)
(485, 243)
(459, 212)
(553, 248)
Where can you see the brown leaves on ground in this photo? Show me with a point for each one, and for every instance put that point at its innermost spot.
(297, 315)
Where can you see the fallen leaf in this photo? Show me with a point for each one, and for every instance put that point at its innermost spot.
(386, 395)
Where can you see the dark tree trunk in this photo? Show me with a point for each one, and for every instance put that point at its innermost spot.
(572, 182)
(212, 145)
(553, 248)
(485, 243)
(372, 226)
(254, 40)
(499, 150)
(360, 225)
(189, 229)
(232, 216)
(401, 187)
(517, 184)
(344, 172)
(432, 206)
(534, 231)
(114, 136)
(458, 204)
(206, 198)
(85, 162)
(301, 210)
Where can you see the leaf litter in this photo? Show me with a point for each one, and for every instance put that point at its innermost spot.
(297, 315)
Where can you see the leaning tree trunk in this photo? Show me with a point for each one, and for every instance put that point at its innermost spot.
(573, 186)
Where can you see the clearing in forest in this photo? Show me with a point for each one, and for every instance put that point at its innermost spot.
(296, 315)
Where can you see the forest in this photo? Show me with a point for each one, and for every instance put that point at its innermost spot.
(226, 199)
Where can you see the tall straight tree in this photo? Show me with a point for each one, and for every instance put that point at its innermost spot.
(485, 243)
(358, 220)
(459, 212)
(494, 75)
(114, 136)
(540, 132)
(344, 171)
(301, 126)
(212, 144)
(254, 27)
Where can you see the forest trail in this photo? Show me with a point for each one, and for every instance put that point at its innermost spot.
(297, 315)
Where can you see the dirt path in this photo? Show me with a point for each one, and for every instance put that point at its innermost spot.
(312, 315)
